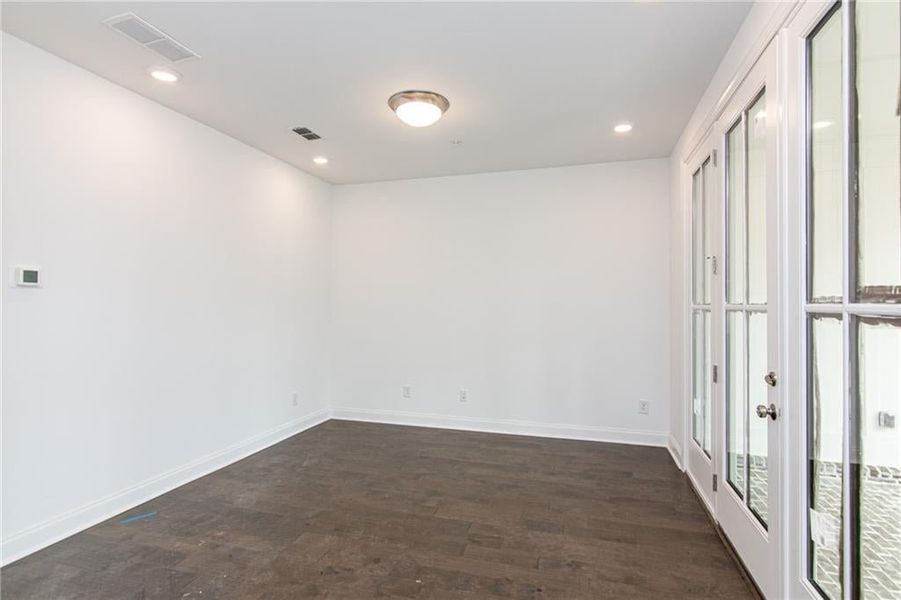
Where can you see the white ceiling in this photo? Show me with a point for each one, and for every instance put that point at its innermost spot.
(530, 84)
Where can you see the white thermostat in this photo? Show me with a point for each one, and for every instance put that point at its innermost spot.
(28, 276)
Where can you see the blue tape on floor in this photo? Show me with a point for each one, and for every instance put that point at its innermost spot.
(137, 518)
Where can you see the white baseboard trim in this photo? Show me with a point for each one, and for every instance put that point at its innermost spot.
(707, 505)
(62, 526)
(590, 433)
(675, 450)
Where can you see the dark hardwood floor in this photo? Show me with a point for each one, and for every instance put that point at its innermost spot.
(356, 510)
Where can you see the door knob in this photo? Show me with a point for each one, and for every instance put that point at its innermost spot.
(764, 411)
(770, 379)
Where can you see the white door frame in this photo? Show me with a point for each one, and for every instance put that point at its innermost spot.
(794, 69)
(791, 504)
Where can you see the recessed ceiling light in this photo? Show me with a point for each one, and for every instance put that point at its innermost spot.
(623, 128)
(165, 75)
(320, 160)
(822, 124)
(418, 108)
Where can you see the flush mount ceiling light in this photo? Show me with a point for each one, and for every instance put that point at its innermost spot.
(417, 108)
(165, 75)
(320, 160)
(623, 128)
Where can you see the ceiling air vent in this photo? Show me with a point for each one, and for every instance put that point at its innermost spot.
(143, 33)
(306, 134)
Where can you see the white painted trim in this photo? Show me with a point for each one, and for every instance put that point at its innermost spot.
(778, 19)
(686, 405)
(641, 437)
(675, 450)
(795, 477)
(704, 500)
(49, 532)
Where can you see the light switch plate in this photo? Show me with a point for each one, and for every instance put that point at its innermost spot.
(25, 276)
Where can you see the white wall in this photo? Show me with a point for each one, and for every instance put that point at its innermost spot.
(185, 298)
(544, 293)
(189, 280)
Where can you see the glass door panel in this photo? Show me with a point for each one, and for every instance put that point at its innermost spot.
(758, 428)
(698, 274)
(879, 485)
(852, 315)
(702, 268)
(747, 436)
(736, 277)
(825, 453)
(825, 166)
(736, 414)
(878, 28)
(709, 198)
(701, 378)
(755, 175)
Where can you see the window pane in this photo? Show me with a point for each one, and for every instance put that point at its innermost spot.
(736, 382)
(697, 377)
(879, 151)
(697, 239)
(825, 187)
(758, 480)
(735, 209)
(708, 200)
(701, 392)
(825, 430)
(708, 385)
(757, 201)
(880, 458)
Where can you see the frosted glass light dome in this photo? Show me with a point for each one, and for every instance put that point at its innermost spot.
(418, 108)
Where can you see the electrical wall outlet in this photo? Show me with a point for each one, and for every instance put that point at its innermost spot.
(463, 395)
(643, 407)
(406, 391)
(294, 399)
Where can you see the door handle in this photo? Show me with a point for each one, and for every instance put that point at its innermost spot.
(764, 411)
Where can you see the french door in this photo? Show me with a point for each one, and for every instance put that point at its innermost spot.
(846, 169)
(795, 315)
(734, 454)
(748, 502)
(705, 235)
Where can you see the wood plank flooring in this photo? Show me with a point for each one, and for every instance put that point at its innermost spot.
(357, 510)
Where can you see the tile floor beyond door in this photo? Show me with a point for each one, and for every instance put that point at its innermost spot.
(356, 510)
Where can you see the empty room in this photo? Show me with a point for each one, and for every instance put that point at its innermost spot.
(350, 300)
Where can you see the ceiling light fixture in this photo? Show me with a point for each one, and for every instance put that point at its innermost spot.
(623, 128)
(165, 75)
(320, 160)
(417, 108)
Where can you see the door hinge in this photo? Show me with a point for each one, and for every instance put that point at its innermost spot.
(713, 264)
(713, 156)
(714, 482)
(716, 373)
